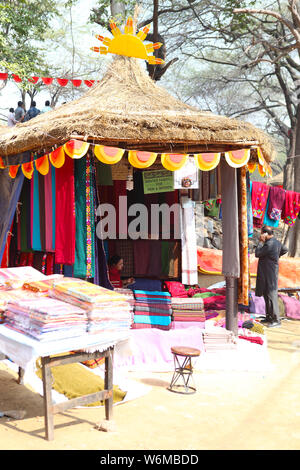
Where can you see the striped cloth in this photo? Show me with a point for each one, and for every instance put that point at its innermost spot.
(189, 309)
(152, 309)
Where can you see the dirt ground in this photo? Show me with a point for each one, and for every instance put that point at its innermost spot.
(229, 411)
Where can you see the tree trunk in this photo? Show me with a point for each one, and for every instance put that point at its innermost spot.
(292, 182)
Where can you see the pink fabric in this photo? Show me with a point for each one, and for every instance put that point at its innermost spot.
(215, 303)
(48, 212)
(292, 306)
(179, 325)
(276, 202)
(291, 207)
(65, 214)
(151, 348)
(260, 192)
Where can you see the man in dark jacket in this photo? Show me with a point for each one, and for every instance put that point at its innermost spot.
(268, 252)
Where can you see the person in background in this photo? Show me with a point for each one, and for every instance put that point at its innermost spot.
(268, 252)
(11, 120)
(32, 112)
(20, 112)
(115, 266)
(47, 107)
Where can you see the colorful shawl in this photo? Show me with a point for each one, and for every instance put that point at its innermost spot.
(291, 207)
(260, 192)
(276, 202)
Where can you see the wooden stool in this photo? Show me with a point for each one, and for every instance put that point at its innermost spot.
(183, 369)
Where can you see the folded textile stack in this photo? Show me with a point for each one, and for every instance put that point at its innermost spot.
(12, 295)
(128, 294)
(14, 278)
(108, 311)
(45, 319)
(189, 309)
(152, 310)
(215, 302)
(42, 286)
(218, 338)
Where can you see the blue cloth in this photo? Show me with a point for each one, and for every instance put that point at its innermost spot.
(249, 206)
(10, 190)
(153, 319)
(267, 220)
(146, 284)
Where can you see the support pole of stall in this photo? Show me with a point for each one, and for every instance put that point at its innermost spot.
(232, 304)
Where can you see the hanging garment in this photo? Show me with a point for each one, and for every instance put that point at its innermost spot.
(291, 207)
(141, 250)
(65, 214)
(267, 221)
(49, 187)
(35, 213)
(188, 243)
(90, 219)
(10, 190)
(80, 217)
(243, 283)
(276, 203)
(205, 185)
(211, 208)
(249, 206)
(42, 211)
(230, 222)
(260, 192)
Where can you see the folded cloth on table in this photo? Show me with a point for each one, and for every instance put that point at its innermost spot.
(45, 318)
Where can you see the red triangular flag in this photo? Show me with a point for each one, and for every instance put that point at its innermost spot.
(77, 82)
(47, 80)
(3, 76)
(62, 81)
(33, 79)
(89, 83)
(16, 78)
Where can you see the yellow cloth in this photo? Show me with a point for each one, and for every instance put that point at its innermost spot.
(75, 380)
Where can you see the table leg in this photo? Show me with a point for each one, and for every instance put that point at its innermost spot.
(47, 386)
(108, 384)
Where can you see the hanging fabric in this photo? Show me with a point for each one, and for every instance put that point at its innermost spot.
(260, 193)
(80, 216)
(188, 243)
(65, 214)
(10, 190)
(90, 220)
(243, 283)
(35, 214)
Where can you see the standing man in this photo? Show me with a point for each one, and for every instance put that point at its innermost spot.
(20, 112)
(268, 252)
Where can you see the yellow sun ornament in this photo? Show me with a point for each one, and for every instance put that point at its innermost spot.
(129, 44)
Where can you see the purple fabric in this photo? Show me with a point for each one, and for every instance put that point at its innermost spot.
(178, 325)
(260, 306)
(292, 306)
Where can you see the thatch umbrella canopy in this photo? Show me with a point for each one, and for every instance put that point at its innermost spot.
(129, 110)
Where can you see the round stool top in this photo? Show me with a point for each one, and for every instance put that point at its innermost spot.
(185, 351)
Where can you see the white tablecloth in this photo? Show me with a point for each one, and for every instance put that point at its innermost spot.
(24, 350)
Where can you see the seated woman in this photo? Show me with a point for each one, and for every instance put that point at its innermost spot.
(115, 266)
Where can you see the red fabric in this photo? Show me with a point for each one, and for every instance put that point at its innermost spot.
(33, 79)
(176, 289)
(253, 339)
(291, 207)
(65, 214)
(217, 302)
(17, 78)
(115, 278)
(3, 76)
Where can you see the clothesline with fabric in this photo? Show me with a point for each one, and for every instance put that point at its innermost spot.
(49, 80)
(138, 159)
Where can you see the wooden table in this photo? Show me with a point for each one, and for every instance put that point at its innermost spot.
(58, 358)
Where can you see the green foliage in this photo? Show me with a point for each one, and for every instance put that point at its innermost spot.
(23, 24)
(101, 14)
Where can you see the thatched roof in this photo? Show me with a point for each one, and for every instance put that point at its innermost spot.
(129, 110)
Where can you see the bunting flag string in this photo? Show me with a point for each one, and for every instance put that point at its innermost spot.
(63, 82)
(138, 159)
